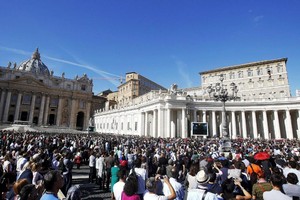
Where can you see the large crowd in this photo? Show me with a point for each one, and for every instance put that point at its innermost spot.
(39, 166)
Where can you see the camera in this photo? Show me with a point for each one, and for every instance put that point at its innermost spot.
(161, 177)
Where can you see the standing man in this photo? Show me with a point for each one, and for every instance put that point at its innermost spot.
(92, 165)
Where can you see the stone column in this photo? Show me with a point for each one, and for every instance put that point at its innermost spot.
(244, 125)
(214, 124)
(142, 124)
(87, 117)
(233, 119)
(59, 111)
(17, 111)
(276, 125)
(265, 124)
(204, 116)
(7, 106)
(288, 125)
(298, 125)
(41, 114)
(184, 123)
(146, 124)
(46, 114)
(73, 115)
(154, 129)
(254, 124)
(168, 123)
(159, 123)
(32, 108)
(2, 104)
(195, 115)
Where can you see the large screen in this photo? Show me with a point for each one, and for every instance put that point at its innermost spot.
(199, 128)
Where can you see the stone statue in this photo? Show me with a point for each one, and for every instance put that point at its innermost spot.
(173, 89)
(9, 65)
(91, 122)
(15, 65)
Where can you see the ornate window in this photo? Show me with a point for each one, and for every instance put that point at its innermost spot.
(259, 71)
(240, 74)
(232, 75)
(83, 87)
(250, 72)
(54, 102)
(279, 68)
(82, 104)
(26, 99)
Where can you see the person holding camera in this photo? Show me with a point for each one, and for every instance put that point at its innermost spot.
(151, 188)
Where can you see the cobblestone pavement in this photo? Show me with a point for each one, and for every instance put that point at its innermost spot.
(89, 191)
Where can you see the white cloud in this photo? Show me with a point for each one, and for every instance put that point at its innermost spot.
(258, 18)
(183, 72)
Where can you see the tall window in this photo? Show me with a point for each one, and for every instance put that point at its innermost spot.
(240, 74)
(250, 72)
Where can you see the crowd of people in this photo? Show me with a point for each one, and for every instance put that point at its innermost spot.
(39, 166)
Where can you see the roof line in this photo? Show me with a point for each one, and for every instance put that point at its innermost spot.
(243, 65)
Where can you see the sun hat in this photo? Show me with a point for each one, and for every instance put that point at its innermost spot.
(202, 176)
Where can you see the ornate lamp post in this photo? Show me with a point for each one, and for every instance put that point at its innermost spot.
(219, 92)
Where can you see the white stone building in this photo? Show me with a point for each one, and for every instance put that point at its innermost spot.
(265, 108)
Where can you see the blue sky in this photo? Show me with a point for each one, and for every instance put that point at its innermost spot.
(167, 41)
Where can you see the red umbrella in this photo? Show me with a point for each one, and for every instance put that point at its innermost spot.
(262, 156)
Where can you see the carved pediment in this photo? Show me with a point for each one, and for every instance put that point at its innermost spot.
(28, 82)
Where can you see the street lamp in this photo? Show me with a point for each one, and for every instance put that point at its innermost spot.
(219, 92)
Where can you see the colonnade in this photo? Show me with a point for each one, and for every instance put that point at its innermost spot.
(40, 109)
(265, 122)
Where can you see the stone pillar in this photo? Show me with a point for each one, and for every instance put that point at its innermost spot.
(276, 125)
(288, 125)
(87, 117)
(159, 123)
(154, 129)
(59, 111)
(184, 129)
(214, 124)
(244, 125)
(168, 123)
(254, 124)
(46, 114)
(2, 104)
(146, 124)
(204, 116)
(142, 124)
(17, 111)
(173, 123)
(41, 114)
(265, 125)
(298, 125)
(73, 115)
(233, 119)
(7, 106)
(32, 105)
(195, 115)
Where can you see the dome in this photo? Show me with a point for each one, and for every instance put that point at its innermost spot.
(34, 65)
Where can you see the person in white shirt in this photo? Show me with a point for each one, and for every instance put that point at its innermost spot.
(178, 187)
(92, 165)
(292, 168)
(275, 193)
(142, 176)
(151, 187)
(119, 186)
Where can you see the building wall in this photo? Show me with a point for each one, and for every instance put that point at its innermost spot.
(259, 80)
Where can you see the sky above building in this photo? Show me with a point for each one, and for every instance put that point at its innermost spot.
(167, 41)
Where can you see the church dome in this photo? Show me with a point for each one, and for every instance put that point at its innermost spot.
(34, 65)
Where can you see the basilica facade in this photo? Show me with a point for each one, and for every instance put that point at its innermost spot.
(265, 108)
(31, 93)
